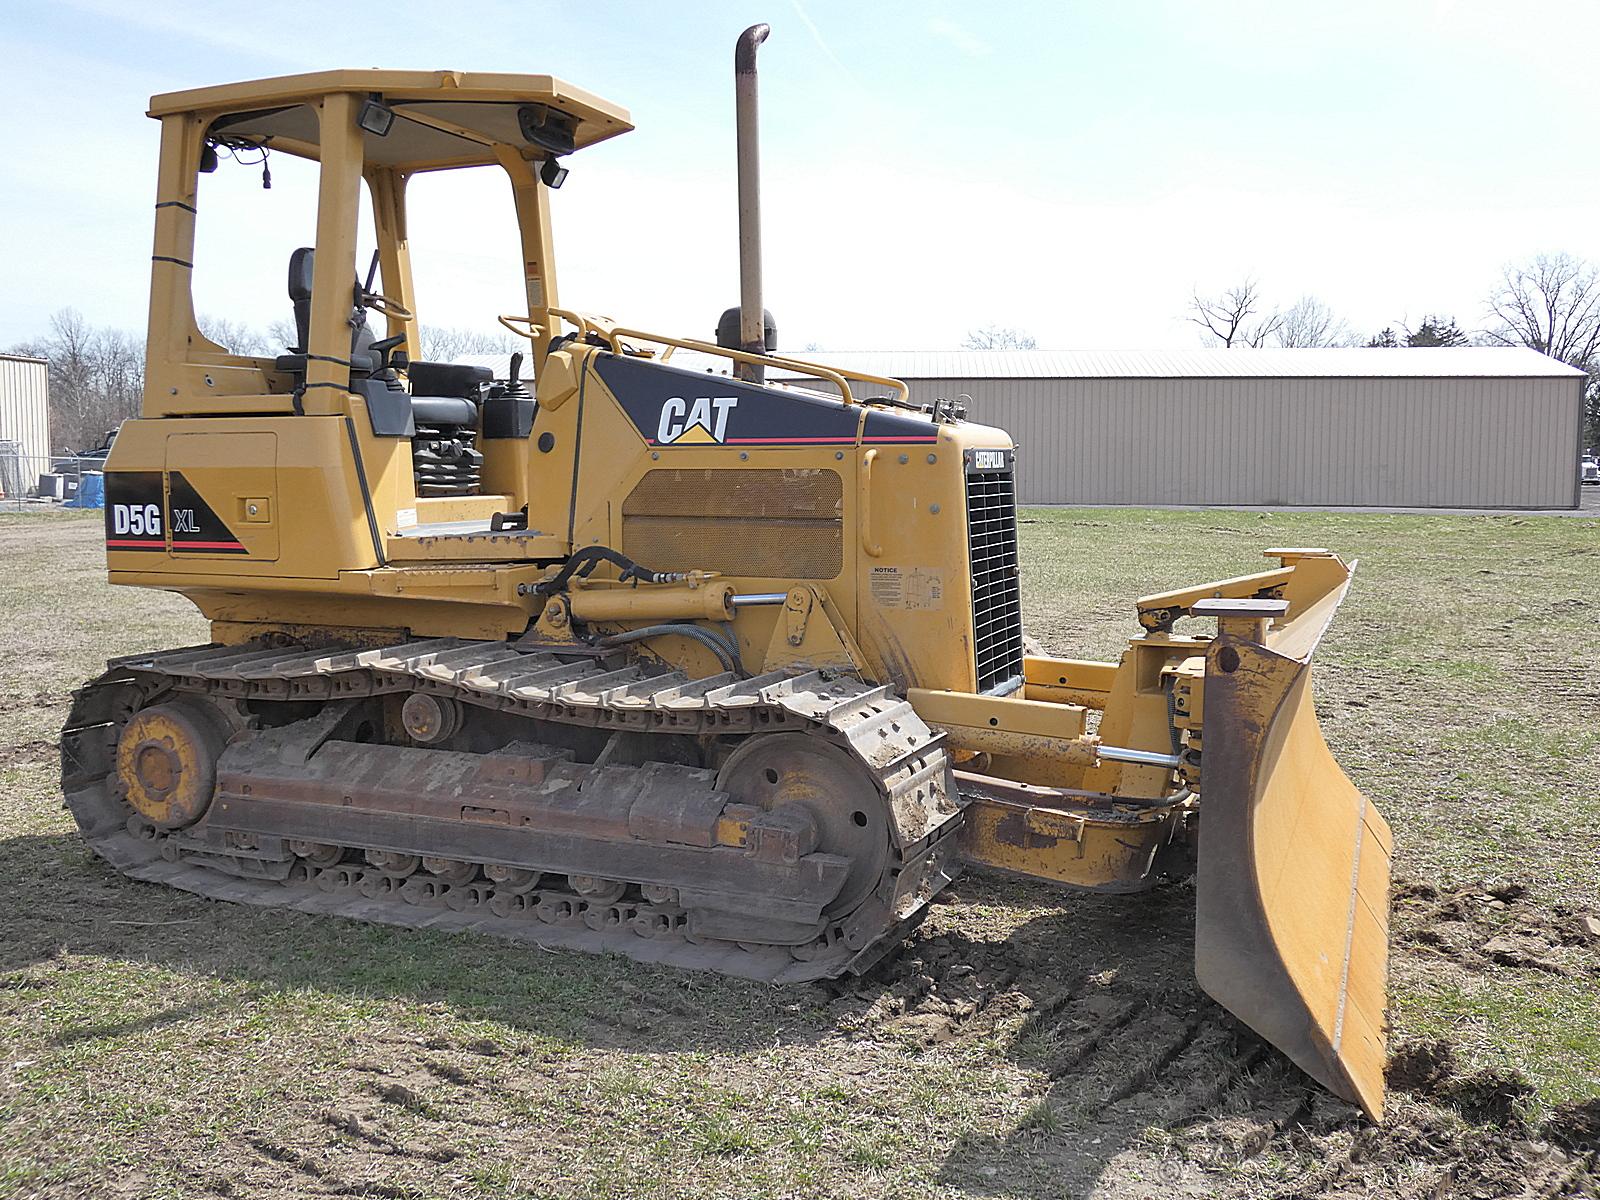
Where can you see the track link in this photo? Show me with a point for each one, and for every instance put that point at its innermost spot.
(875, 726)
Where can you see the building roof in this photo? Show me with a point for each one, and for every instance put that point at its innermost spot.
(1463, 362)
(1468, 362)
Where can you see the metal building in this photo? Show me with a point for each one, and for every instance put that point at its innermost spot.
(24, 422)
(1471, 427)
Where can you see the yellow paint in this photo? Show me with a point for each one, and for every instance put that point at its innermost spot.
(340, 542)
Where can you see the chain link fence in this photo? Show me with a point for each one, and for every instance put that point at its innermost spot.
(33, 483)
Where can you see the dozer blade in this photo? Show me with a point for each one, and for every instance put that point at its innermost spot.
(1293, 878)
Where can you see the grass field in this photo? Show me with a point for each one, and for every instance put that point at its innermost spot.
(1024, 1043)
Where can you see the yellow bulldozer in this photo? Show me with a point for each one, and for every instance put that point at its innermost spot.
(688, 666)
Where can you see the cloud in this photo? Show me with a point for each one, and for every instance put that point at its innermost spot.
(816, 35)
(962, 39)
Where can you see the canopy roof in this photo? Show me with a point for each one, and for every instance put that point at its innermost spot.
(442, 118)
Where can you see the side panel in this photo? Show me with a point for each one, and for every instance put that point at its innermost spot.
(221, 490)
(875, 498)
(205, 475)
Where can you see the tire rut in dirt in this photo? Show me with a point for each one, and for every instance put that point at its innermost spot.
(1119, 1060)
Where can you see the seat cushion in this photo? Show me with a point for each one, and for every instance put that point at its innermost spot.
(447, 379)
(443, 410)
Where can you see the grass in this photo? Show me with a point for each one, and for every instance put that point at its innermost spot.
(154, 1044)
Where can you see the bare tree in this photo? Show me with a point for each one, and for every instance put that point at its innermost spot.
(1235, 318)
(442, 343)
(233, 336)
(1308, 322)
(96, 378)
(1552, 305)
(996, 337)
(282, 335)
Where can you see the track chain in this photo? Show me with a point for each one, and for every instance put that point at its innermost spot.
(879, 728)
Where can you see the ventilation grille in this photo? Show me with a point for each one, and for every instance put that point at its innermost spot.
(786, 524)
(996, 589)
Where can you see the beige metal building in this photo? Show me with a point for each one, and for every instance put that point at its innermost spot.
(1447, 428)
(24, 422)
(25, 404)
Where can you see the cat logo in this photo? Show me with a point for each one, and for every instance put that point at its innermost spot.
(702, 421)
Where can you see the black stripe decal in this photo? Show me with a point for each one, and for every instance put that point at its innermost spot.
(188, 208)
(366, 492)
(165, 258)
(577, 453)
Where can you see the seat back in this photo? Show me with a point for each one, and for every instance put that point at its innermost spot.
(301, 263)
(302, 268)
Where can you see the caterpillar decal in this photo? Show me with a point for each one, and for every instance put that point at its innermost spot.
(673, 407)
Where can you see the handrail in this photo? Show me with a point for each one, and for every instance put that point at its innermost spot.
(873, 548)
(613, 334)
(585, 325)
(834, 375)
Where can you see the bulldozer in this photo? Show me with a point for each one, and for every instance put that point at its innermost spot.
(608, 654)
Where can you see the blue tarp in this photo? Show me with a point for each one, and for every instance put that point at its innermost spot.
(91, 492)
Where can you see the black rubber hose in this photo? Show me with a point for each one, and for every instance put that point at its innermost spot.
(583, 562)
(726, 655)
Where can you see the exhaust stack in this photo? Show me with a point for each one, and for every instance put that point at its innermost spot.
(752, 331)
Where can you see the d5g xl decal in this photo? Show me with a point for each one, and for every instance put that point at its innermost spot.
(673, 407)
(141, 515)
(196, 529)
(134, 511)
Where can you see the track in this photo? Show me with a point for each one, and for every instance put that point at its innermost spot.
(877, 729)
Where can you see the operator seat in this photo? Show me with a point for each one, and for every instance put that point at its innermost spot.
(302, 264)
(440, 392)
(440, 414)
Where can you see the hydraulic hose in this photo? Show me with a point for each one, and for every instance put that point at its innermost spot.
(726, 654)
(583, 562)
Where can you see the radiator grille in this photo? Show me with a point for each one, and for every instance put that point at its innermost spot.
(786, 524)
(996, 588)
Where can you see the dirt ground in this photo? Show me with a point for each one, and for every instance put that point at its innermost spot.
(1024, 1043)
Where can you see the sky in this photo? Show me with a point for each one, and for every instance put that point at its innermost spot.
(1075, 170)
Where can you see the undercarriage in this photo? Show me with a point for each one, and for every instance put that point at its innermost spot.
(786, 827)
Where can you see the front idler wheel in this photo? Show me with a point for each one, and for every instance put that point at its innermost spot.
(825, 789)
(166, 765)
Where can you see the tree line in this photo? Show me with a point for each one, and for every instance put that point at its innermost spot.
(96, 373)
(1550, 304)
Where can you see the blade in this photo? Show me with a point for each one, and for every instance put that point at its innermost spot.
(1293, 879)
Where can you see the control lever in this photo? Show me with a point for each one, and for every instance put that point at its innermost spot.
(383, 346)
